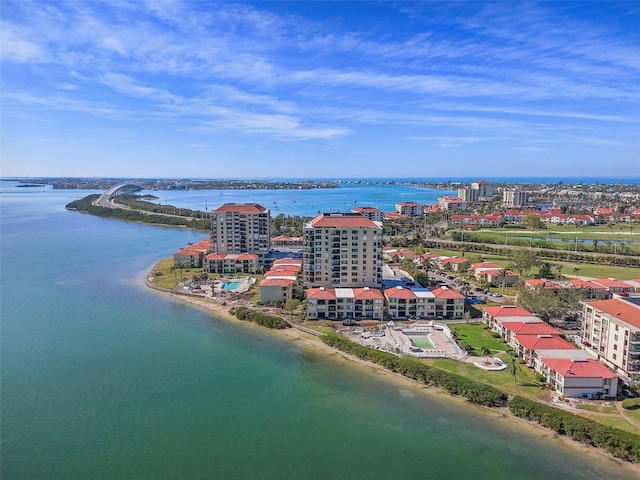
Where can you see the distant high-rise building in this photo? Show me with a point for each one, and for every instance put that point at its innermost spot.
(469, 195)
(240, 228)
(484, 188)
(514, 197)
(342, 250)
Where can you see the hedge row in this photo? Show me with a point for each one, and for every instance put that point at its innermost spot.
(260, 318)
(619, 443)
(412, 368)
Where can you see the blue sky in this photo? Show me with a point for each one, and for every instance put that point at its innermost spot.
(316, 89)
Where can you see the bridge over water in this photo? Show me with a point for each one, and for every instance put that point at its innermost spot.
(106, 198)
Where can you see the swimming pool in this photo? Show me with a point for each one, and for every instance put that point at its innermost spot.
(420, 340)
(230, 285)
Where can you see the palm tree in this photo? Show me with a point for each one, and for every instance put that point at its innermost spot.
(559, 267)
(486, 352)
(175, 275)
(513, 368)
(576, 270)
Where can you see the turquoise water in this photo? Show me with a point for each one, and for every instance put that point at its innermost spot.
(303, 202)
(103, 379)
(230, 285)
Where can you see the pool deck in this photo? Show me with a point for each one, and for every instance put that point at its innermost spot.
(393, 339)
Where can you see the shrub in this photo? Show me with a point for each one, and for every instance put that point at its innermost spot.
(410, 367)
(631, 403)
(259, 318)
(619, 443)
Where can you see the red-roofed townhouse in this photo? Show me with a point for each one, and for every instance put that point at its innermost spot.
(591, 289)
(401, 302)
(539, 283)
(511, 329)
(580, 378)
(321, 303)
(449, 303)
(337, 303)
(526, 345)
(611, 333)
(473, 267)
(456, 264)
(493, 316)
(231, 263)
(191, 256)
(425, 259)
(279, 289)
(342, 250)
(614, 286)
(499, 277)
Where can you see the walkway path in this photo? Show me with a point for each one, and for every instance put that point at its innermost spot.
(626, 416)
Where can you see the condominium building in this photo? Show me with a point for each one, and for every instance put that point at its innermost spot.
(240, 228)
(410, 209)
(611, 332)
(451, 203)
(484, 188)
(342, 250)
(514, 197)
(372, 213)
(334, 303)
(468, 195)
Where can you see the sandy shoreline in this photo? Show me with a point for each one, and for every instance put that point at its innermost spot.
(311, 341)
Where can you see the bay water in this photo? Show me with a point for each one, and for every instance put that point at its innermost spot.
(102, 378)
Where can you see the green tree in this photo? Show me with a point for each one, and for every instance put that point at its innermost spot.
(486, 352)
(513, 368)
(545, 270)
(291, 305)
(532, 221)
(523, 259)
(559, 267)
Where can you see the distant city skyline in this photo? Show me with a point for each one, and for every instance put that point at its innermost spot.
(320, 89)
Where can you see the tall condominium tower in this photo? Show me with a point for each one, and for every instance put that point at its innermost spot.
(342, 250)
(240, 228)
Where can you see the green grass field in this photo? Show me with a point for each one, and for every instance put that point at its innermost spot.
(477, 337)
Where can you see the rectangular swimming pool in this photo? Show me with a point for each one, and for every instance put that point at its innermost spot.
(230, 285)
(420, 340)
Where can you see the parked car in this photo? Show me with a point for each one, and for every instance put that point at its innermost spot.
(349, 322)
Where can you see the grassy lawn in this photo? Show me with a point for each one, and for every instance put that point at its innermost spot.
(617, 422)
(477, 337)
(165, 278)
(527, 385)
(634, 413)
(598, 409)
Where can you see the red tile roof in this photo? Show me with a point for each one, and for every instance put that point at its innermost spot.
(484, 265)
(367, 294)
(617, 308)
(507, 311)
(544, 342)
(342, 220)
(446, 293)
(399, 292)
(321, 293)
(240, 208)
(521, 328)
(276, 282)
(578, 368)
(611, 283)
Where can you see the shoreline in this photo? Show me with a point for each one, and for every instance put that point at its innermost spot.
(308, 340)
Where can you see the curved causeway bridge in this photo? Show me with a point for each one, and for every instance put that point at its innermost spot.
(106, 198)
